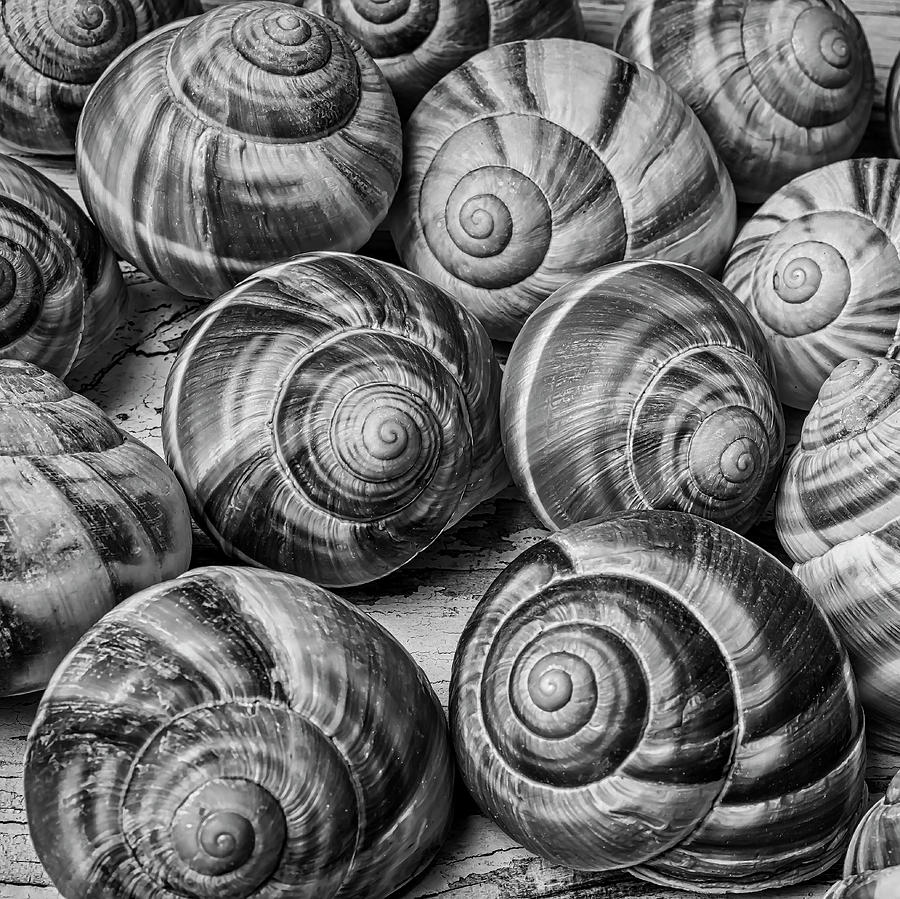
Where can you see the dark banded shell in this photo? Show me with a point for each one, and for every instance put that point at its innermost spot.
(838, 517)
(643, 385)
(52, 52)
(332, 415)
(654, 692)
(88, 516)
(262, 131)
(61, 290)
(539, 161)
(781, 86)
(818, 265)
(417, 42)
(237, 733)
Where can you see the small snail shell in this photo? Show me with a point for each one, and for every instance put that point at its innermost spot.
(332, 415)
(266, 129)
(655, 692)
(643, 385)
(892, 106)
(90, 515)
(237, 733)
(838, 517)
(518, 179)
(781, 86)
(417, 42)
(61, 290)
(52, 52)
(818, 267)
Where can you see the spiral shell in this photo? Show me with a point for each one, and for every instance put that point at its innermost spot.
(263, 131)
(236, 733)
(89, 515)
(417, 42)
(52, 52)
(332, 415)
(655, 692)
(518, 179)
(838, 517)
(643, 385)
(781, 86)
(61, 291)
(818, 267)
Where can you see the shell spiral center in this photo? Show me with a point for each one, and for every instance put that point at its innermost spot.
(282, 42)
(823, 47)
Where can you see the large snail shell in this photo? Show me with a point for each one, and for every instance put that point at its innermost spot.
(539, 161)
(781, 86)
(89, 516)
(52, 52)
(61, 290)
(237, 733)
(838, 517)
(262, 131)
(655, 692)
(417, 42)
(818, 267)
(643, 385)
(332, 415)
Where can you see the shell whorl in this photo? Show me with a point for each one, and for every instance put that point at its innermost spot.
(589, 730)
(487, 207)
(817, 266)
(239, 758)
(371, 426)
(644, 385)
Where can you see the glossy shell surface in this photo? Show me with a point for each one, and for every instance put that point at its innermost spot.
(892, 107)
(263, 131)
(237, 733)
(539, 161)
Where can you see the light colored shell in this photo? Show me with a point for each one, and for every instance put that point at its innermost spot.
(643, 385)
(417, 42)
(89, 515)
(332, 415)
(538, 161)
(262, 131)
(838, 517)
(61, 291)
(871, 885)
(52, 52)
(655, 692)
(818, 267)
(236, 733)
(781, 86)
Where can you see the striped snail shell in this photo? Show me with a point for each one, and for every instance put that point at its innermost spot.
(781, 86)
(90, 515)
(232, 734)
(818, 267)
(417, 42)
(61, 290)
(654, 692)
(52, 52)
(518, 179)
(331, 416)
(838, 517)
(892, 106)
(643, 385)
(267, 130)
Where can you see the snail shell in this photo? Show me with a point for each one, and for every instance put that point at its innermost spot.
(237, 733)
(518, 179)
(643, 385)
(838, 517)
(52, 52)
(267, 130)
(892, 106)
(61, 290)
(871, 885)
(417, 42)
(781, 86)
(90, 515)
(818, 267)
(331, 416)
(654, 692)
